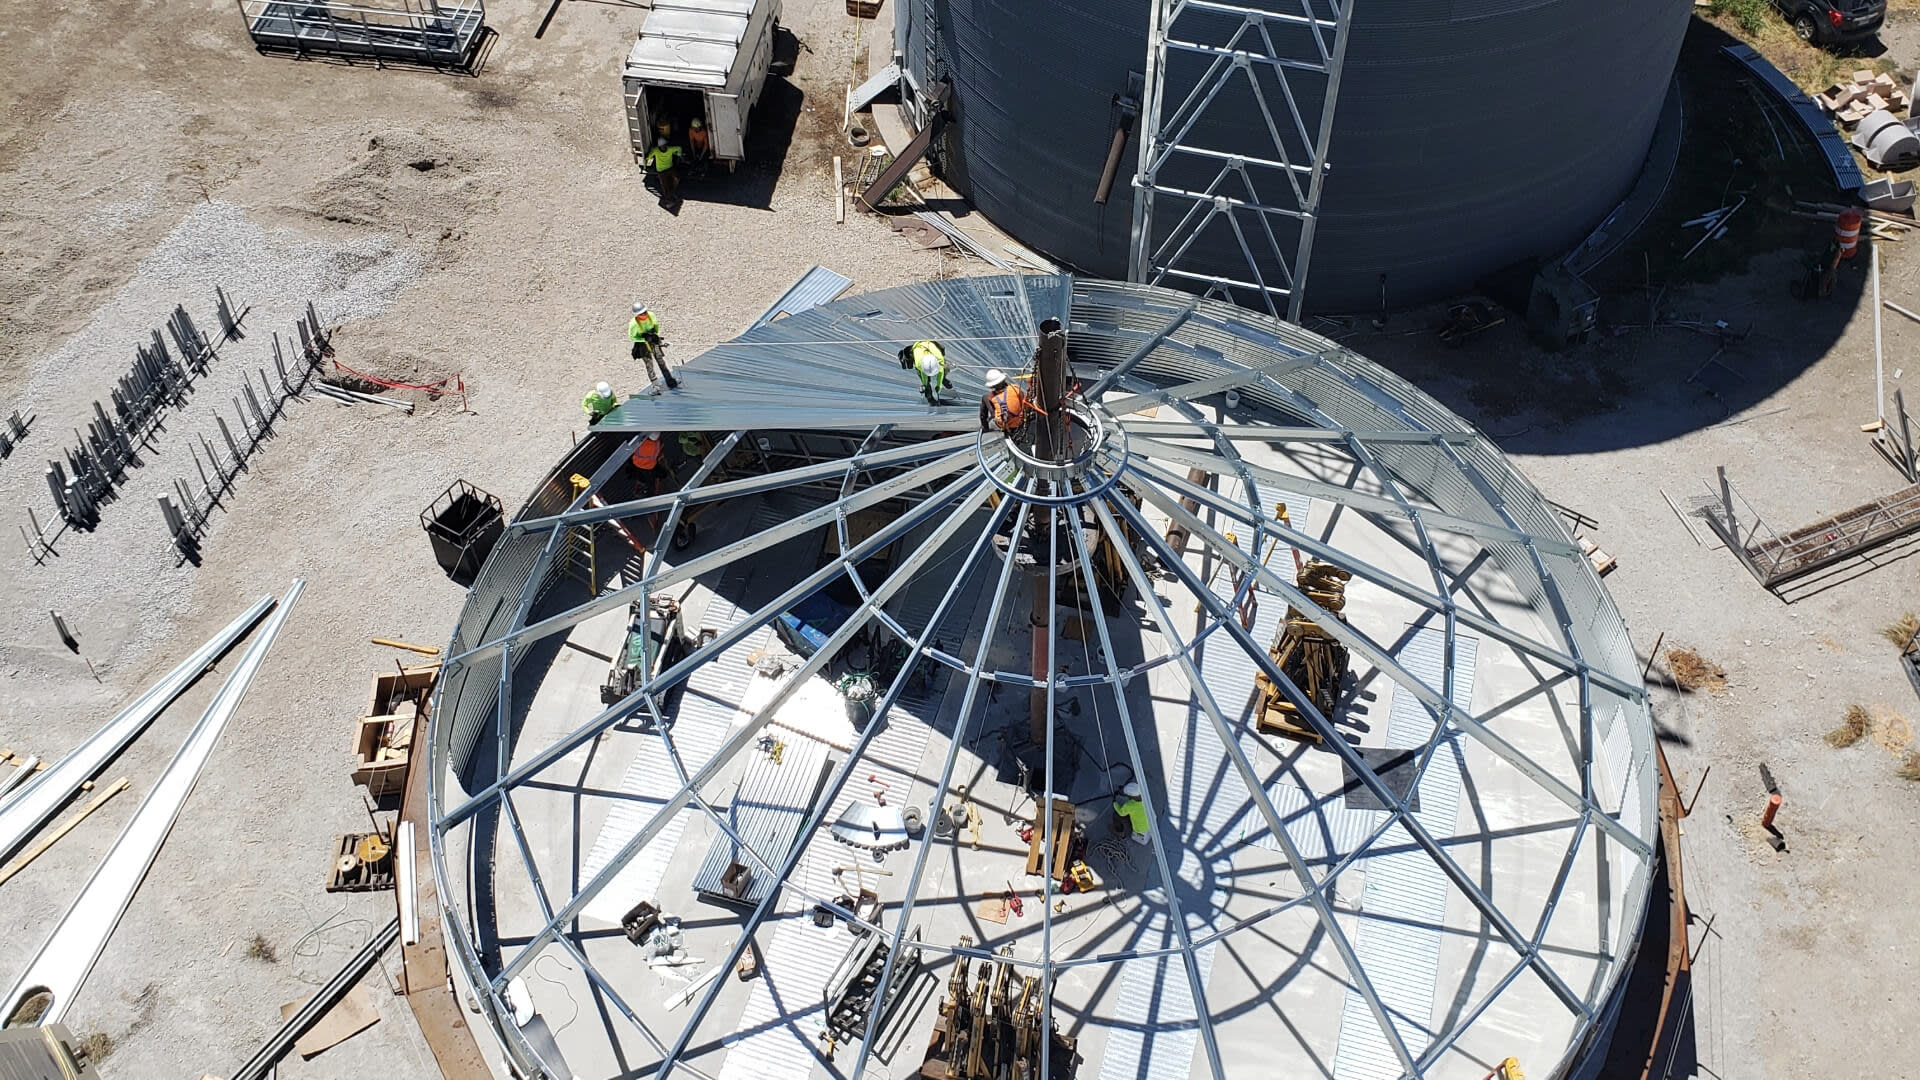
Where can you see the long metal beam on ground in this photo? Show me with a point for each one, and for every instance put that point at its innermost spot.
(261, 1064)
(64, 960)
(32, 805)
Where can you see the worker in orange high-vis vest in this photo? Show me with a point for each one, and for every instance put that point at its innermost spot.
(1004, 405)
(646, 457)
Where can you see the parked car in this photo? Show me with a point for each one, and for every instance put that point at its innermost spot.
(1830, 22)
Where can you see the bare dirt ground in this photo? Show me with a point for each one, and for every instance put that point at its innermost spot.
(137, 175)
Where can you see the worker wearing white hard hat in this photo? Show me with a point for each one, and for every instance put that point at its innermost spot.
(644, 333)
(662, 159)
(1129, 808)
(1004, 405)
(599, 402)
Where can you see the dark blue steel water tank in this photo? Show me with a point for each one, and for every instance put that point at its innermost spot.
(1469, 134)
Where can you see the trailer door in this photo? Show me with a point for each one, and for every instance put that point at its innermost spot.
(727, 126)
(639, 124)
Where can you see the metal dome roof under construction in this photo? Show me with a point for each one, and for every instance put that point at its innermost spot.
(807, 731)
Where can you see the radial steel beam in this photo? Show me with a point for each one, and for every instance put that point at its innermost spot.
(1282, 433)
(1256, 790)
(746, 734)
(1212, 384)
(47, 792)
(1442, 709)
(795, 527)
(1119, 371)
(68, 955)
(904, 920)
(968, 486)
(749, 485)
(1331, 739)
(778, 534)
(1351, 498)
(823, 805)
(1386, 580)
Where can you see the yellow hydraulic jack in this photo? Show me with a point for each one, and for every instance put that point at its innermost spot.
(1506, 1070)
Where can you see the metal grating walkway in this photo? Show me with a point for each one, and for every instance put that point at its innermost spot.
(774, 1038)
(1406, 888)
(766, 812)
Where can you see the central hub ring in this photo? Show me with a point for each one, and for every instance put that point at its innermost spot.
(1097, 450)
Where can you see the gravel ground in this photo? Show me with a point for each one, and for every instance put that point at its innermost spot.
(511, 262)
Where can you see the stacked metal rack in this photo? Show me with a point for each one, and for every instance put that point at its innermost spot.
(435, 34)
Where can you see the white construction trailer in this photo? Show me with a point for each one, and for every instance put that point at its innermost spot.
(700, 58)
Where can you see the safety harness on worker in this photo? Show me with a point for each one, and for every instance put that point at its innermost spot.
(1010, 407)
(647, 454)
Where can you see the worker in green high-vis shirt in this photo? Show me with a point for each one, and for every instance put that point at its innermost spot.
(1130, 807)
(663, 157)
(644, 331)
(598, 403)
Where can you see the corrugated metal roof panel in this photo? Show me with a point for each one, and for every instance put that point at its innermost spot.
(815, 287)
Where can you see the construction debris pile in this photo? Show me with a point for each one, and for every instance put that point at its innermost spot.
(1862, 95)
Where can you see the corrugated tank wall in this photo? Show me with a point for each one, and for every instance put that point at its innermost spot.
(1470, 134)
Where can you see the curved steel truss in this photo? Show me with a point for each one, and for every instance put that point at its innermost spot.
(814, 408)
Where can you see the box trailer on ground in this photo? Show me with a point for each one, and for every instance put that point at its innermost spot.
(699, 59)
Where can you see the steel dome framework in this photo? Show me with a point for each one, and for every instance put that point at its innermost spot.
(1412, 470)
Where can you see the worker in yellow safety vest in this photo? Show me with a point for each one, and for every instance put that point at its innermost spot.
(644, 332)
(1133, 811)
(929, 361)
(598, 403)
(662, 159)
(1004, 405)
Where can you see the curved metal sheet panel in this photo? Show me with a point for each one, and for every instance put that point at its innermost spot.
(1470, 134)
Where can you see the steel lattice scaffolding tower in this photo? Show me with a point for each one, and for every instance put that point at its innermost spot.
(1234, 185)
